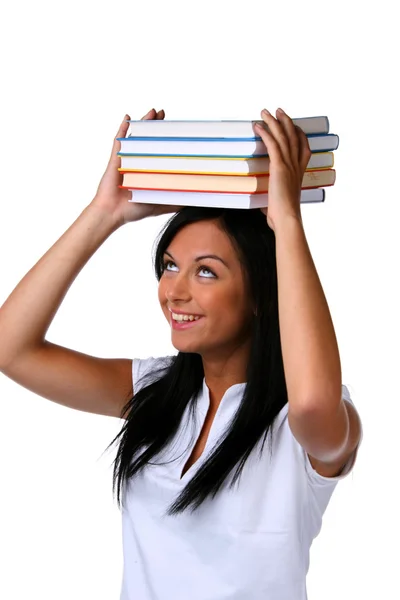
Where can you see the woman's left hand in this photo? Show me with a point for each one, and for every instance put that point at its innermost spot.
(289, 154)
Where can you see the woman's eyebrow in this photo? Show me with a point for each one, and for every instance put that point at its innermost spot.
(214, 256)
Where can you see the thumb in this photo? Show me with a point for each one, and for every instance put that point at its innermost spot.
(122, 131)
(304, 150)
(163, 209)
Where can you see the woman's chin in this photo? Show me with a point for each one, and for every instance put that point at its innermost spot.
(183, 343)
(183, 346)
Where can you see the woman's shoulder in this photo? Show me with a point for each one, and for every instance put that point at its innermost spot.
(150, 368)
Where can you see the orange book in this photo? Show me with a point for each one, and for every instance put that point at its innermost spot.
(218, 183)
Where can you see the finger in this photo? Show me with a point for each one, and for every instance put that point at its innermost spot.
(150, 115)
(123, 128)
(273, 148)
(153, 114)
(291, 135)
(304, 149)
(278, 133)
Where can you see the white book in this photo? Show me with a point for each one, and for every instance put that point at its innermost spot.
(209, 129)
(216, 200)
(218, 166)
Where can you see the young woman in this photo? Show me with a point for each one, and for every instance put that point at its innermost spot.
(210, 510)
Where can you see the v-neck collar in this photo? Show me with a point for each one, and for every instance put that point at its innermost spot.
(223, 416)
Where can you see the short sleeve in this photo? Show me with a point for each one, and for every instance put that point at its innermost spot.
(148, 370)
(319, 480)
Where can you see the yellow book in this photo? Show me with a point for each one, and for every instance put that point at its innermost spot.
(212, 166)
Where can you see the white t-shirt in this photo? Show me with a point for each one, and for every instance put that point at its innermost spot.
(251, 542)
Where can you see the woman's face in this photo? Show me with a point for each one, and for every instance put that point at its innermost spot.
(212, 288)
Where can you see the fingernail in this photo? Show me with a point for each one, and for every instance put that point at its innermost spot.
(281, 111)
(266, 111)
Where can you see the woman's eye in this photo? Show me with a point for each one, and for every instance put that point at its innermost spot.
(166, 263)
(207, 269)
(210, 274)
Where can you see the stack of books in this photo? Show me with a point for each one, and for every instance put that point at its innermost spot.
(215, 163)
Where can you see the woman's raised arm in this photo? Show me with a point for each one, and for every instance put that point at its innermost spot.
(77, 380)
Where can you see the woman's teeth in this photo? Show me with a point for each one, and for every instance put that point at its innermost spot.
(184, 317)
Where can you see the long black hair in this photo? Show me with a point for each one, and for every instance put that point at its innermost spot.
(153, 415)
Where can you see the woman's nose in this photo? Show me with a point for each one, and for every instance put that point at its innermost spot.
(177, 289)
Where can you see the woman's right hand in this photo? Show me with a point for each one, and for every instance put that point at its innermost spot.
(112, 198)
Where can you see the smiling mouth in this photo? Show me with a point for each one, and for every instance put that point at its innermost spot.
(184, 318)
(184, 323)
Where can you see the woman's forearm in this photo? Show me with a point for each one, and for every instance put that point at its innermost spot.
(30, 308)
(309, 346)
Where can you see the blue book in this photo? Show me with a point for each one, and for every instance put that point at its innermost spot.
(214, 147)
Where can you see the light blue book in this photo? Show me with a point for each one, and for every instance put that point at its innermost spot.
(214, 147)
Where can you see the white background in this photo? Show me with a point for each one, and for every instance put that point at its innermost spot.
(69, 73)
